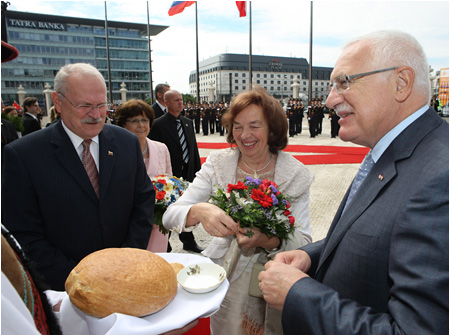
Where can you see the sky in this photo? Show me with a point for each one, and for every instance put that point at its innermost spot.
(279, 28)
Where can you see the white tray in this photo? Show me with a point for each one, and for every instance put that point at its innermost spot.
(184, 308)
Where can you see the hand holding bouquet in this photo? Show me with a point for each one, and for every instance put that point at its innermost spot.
(168, 190)
(258, 204)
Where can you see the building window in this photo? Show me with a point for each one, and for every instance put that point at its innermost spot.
(236, 74)
(244, 88)
(265, 75)
(258, 81)
(236, 81)
(236, 87)
(243, 74)
(258, 75)
(243, 81)
(271, 75)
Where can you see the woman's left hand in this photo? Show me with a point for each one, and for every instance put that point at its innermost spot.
(257, 239)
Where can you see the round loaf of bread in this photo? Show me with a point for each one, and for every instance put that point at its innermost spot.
(121, 280)
(177, 267)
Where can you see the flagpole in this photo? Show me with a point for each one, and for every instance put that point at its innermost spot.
(107, 56)
(149, 56)
(310, 55)
(250, 64)
(196, 45)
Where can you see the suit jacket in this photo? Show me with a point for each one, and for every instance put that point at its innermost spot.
(383, 267)
(158, 111)
(165, 130)
(52, 208)
(30, 124)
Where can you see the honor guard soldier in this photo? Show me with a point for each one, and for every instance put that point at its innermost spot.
(197, 118)
(204, 118)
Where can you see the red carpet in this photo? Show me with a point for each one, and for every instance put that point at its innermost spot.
(202, 328)
(326, 154)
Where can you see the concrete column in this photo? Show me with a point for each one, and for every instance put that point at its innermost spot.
(21, 93)
(48, 98)
(123, 92)
(295, 89)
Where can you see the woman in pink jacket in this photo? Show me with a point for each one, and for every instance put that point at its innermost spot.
(138, 117)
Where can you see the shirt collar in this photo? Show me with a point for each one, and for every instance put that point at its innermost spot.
(163, 108)
(76, 140)
(385, 141)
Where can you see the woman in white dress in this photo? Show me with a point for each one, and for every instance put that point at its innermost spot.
(257, 125)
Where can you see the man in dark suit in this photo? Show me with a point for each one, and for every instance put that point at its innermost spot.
(383, 267)
(159, 106)
(165, 130)
(67, 211)
(30, 120)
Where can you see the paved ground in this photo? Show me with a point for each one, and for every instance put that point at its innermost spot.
(327, 190)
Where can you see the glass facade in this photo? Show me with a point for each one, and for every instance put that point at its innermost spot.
(47, 42)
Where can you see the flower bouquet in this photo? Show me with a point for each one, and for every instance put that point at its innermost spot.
(258, 204)
(168, 189)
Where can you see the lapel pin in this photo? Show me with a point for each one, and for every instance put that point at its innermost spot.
(110, 153)
(380, 177)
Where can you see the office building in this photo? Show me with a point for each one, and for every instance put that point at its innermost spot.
(47, 42)
(224, 76)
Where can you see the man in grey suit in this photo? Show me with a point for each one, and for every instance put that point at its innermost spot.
(79, 185)
(383, 267)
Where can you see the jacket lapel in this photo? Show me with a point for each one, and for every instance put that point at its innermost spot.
(107, 158)
(380, 176)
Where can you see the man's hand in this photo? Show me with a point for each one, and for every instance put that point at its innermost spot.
(297, 258)
(281, 274)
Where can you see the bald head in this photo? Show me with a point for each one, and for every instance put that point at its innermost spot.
(174, 102)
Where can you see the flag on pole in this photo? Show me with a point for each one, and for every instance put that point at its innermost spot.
(241, 6)
(179, 6)
(17, 106)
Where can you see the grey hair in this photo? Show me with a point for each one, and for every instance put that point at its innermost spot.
(397, 48)
(74, 69)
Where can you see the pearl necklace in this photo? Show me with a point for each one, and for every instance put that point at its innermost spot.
(255, 171)
(146, 148)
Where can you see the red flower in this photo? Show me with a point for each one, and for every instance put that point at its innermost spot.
(286, 213)
(239, 186)
(160, 195)
(262, 198)
(162, 181)
(291, 220)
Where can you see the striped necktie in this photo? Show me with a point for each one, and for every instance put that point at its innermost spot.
(89, 165)
(183, 142)
(363, 171)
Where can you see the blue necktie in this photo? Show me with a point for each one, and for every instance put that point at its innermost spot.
(183, 142)
(363, 171)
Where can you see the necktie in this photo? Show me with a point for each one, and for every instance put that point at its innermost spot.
(183, 142)
(89, 165)
(364, 169)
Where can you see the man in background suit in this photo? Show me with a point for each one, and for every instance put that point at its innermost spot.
(383, 267)
(165, 130)
(30, 120)
(159, 106)
(62, 216)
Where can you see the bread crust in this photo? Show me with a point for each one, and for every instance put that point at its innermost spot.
(121, 280)
(177, 267)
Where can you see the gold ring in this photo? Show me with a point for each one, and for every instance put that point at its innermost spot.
(217, 232)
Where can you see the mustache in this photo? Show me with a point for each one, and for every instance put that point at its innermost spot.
(91, 120)
(342, 107)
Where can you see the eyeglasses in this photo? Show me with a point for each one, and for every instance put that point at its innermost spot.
(137, 121)
(88, 108)
(342, 82)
